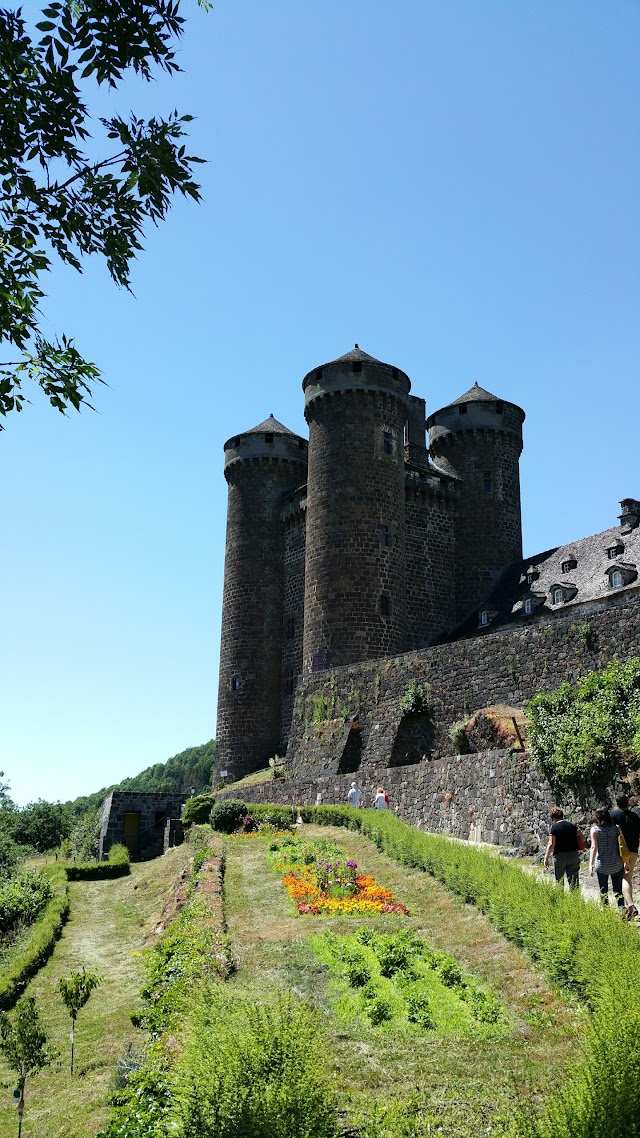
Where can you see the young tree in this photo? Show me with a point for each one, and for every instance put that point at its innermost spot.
(59, 195)
(25, 1046)
(75, 991)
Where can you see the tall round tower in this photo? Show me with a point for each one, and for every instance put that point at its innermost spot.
(261, 466)
(479, 438)
(354, 604)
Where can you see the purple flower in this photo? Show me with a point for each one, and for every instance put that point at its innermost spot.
(352, 864)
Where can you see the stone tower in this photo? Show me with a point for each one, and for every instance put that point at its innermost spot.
(354, 604)
(261, 467)
(479, 438)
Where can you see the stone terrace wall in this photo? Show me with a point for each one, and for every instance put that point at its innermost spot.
(492, 797)
(506, 666)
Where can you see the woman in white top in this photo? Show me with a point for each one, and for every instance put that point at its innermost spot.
(380, 801)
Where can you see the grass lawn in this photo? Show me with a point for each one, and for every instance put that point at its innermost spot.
(468, 1085)
(109, 925)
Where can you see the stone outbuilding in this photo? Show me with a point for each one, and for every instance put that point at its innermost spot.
(138, 820)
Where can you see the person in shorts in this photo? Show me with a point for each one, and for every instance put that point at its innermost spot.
(629, 825)
(563, 844)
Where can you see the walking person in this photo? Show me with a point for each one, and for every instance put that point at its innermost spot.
(629, 825)
(564, 844)
(354, 797)
(381, 799)
(605, 856)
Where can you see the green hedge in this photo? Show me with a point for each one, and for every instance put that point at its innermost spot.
(282, 817)
(581, 946)
(42, 938)
(117, 865)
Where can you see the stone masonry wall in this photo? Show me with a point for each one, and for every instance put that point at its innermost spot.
(154, 810)
(491, 797)
(506, 666)
(294, 553)
(430, 551)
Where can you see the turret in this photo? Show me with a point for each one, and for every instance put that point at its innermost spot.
(261, 466)
(479, 438)
(356, 408)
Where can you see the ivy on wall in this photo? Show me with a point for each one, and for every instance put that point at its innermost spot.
(590, 731)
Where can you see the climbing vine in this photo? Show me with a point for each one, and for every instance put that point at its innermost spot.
(588, 732)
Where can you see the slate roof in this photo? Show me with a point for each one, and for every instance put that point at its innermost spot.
(356, 353)
(476, 394)
(589, 578)
(270, 426)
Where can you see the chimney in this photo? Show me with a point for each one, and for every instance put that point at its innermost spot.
(630, 515)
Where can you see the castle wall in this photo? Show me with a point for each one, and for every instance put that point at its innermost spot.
(293, 631)
(506, 666)
(430, 521)
(492, 796)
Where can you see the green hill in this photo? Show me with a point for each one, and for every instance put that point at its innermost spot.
(191, 769)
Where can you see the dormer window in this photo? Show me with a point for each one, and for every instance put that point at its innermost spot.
(621, 575)
(568, 565)
(528, 606)
(268, 438)
(558, 596)
(532, 576)
(614, 551)
(356, 365)
(462, 409)
(484, 618)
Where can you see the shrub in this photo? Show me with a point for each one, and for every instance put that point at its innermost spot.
(586, 733)
(417, 700)
(458, 736)
(197, 810)
(379, 1008)
(227, 815)
(22, 899)
(254, 1065)
(44, 933)
(118, 855)
(117, 865)
(419, 1011)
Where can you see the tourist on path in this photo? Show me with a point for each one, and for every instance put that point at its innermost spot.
(381, 799)
(605, 856)
(629, 826)
(563, 844)
(354, 797)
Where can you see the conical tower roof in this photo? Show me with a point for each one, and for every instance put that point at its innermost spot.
(476, 394)
(270, 426)
(356, 353)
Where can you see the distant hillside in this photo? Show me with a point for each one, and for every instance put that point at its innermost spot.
(190, 769)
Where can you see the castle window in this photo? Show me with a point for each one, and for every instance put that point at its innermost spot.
(291, 627)
(385, 604)
(289, 683)
(616, 579)
(236, 683)
(385, 538)
(300, 444)
(567, 566)
(318, 373)
(462, 409)
(558, 596)
(484, 618)
(405, 434)
(317, 662)
(487, 484)
(387, 442)
(268, 438)
(528, 606)
(499, 408)
(532, 576)
(356, 365)
(614, 551)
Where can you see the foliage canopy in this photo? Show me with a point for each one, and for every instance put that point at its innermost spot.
(588, 732)
(71, 185)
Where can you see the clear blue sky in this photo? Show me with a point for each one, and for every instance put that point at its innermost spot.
(455, 185)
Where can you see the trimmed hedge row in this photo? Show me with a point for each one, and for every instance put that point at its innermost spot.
(42, 938)
(116, 866)
(581, 946)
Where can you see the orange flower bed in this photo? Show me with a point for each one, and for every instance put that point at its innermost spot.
(370, 897)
